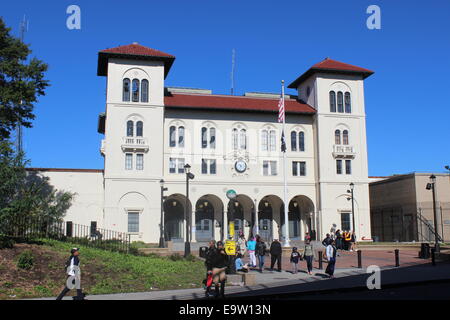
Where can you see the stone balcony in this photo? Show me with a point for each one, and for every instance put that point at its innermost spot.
(343, 151)
(134, 144)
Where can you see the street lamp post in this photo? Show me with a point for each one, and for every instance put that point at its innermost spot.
(352, 186)
(161, 224)
(187, 244)
(431, 186)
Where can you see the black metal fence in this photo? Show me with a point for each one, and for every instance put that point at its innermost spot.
(33, 228)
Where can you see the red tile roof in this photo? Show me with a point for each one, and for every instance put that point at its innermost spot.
(137, 49)
(234, 103)
(133, 51)
(331, 66)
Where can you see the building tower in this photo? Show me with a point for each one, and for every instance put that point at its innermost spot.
(336, 91)
(133, 142)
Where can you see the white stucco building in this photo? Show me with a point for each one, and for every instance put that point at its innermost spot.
(231, 142)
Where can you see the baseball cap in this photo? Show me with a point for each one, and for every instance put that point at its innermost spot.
(74, 250)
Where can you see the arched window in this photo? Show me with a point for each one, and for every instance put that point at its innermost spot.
(204, 137)
(181, 137)
(126, 90)
(301, 141)
(337, 137)
(272, 140)
(130, 125)
(345, 137)
(235, 138)
(135, 90)
(144, 90)
(264, 140)
(332, 101)
(243, 139)
(139, 129)
(340, 102)
(293, 140)
(172, 136)
(212, 138)
(348, 104)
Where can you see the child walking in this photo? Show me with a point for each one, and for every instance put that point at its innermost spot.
(295, 257)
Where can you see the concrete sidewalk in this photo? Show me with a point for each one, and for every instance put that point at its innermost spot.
(271, 282)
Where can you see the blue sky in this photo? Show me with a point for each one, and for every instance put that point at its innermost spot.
(407, 99)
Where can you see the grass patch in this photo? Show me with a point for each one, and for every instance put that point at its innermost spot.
(102, 272)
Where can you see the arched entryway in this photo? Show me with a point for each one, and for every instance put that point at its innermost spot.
(208, 218)
(174, 220)
(301, 217)
(269, 209)
(242, 211)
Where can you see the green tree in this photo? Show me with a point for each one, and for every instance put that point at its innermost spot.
(27, 194)
(20, 82)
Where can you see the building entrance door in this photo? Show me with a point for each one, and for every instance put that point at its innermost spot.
(265, 229)
(204, 230)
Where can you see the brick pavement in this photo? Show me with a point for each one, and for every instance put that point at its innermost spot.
(346, 259)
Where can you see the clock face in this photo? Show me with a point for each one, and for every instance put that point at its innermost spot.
(240, 166)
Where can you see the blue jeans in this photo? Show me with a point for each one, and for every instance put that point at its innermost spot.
(261, 262)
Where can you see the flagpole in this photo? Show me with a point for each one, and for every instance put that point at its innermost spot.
(286, 204)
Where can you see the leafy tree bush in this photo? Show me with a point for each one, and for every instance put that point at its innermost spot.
(25, 260)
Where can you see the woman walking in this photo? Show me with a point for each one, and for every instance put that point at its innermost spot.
(241, 245)
(308, 255)
(331, 256)
(251, 247)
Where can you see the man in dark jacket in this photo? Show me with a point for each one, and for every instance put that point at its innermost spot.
(260, 251)
(210, 254)
(219, 262)
(73, 276)
(275, 254)
(327, 240)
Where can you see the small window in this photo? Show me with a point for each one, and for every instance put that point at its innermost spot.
(172, 136)
(212, 138)
(172, 165)
(269, 168)
(93, 228)
(293, 140)
(139, 129)
(212, 167)
(332, 101)
(130, 125)
(181, 137)
(295, 168)
(339, 166)
(135, 90)
(308, 91)
(345, 221)
(144, 90)
(298, 168)
(235, 139)
(128, 161)
(133, 222)
(337, 137)
(272, 140)
(264, 140)
(204, 138)
(204, 166)
(139, 161)
(301, 141)
(340, 102)
(345, 137)
(348, 105)
(243, 139)
(180, 165)
(302, 168)
(126, 90)
(348, 167)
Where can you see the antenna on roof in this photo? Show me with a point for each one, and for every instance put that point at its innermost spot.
(19, 134)
(233, 56)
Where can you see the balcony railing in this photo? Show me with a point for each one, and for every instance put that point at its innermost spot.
(343, 151)
(135, 143)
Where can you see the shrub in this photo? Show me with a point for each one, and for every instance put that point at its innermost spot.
(6, 242)
(176, 257)
(26, 260)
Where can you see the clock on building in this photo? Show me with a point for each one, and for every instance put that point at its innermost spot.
(240, 166)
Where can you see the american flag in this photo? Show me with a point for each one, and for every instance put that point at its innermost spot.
(281, 110)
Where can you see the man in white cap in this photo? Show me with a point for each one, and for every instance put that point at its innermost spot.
(73, 276)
